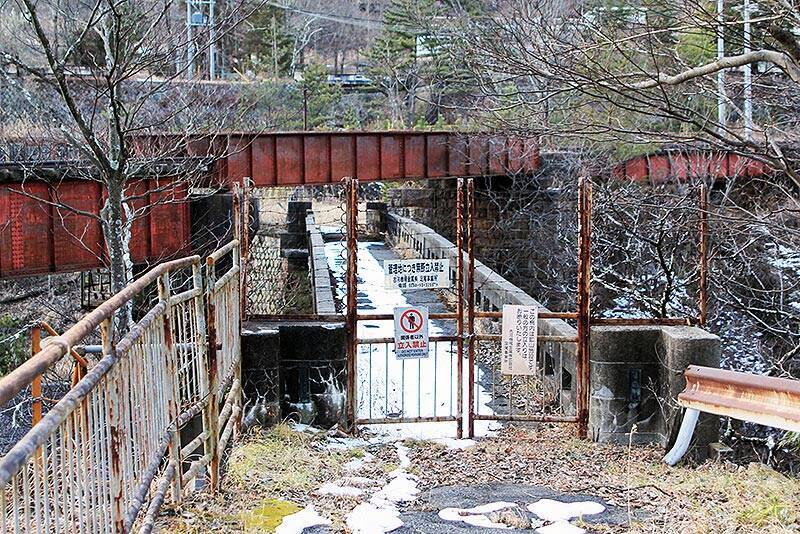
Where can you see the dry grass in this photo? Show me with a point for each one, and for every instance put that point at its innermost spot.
(273, 473)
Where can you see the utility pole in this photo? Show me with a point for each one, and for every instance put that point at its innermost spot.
(212, 41)
(748, 77)
(722, 109)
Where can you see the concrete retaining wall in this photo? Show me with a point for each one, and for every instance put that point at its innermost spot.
(322, 292)
(636, 375)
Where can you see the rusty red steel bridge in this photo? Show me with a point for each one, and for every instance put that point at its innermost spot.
(51, 225)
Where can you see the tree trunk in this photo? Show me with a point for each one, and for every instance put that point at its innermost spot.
(117, 234)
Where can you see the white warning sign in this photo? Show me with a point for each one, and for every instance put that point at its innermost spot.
(519, 340)
(416, 274)
(411, 332)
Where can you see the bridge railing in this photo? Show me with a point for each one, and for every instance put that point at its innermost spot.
(92, 461)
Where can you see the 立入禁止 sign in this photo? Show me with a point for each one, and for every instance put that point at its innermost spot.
(416, 274)
(411, 332)
(518, 355)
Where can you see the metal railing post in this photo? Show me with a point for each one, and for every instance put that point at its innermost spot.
(36, 385)
(703, 276)
(351, 186)
(211, 411)
(174, 395)
(584, 309)
(470, 208)
(460, 306)
(115, 428)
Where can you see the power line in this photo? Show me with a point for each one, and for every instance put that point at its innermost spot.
(353, 21)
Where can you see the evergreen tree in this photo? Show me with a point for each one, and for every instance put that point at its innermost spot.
(267, 44)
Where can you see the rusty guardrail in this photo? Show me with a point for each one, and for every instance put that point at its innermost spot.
(58, 346)
(764, 400)
(91, 463)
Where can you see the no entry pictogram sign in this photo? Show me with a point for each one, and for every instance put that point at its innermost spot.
(410, 321)
(411, 332)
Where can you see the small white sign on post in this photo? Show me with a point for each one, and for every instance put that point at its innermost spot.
(411, 332)
(520, 327)
(416, 274)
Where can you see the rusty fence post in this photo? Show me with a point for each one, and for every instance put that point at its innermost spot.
(237, 367)
(114, 407)
(460, 307)
(583, 304)
(703, 276)
(244, 240)
(173, 402)
(211, 411)
(36, 385)
(237, 234)
(470, 207)
(351, 218)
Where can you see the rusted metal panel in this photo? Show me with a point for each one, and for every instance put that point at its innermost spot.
(636, 169)
(533, 159)
(498, 155)
(78, 239)
(263, 152)
(392, 156)
(679, 165)
(659, 169)
(343, 161)
(141, 233)
(516, 155)
(239, 158)
(718, 166)
(6, 257)
(169, 219)
(437, 156)
(31, 229)
(759, 399)
(698, 164)
(42, 232)
(478, 160)
(289, 152)
(317, 160)
(368, 157)
(415, 155)
(457, 155)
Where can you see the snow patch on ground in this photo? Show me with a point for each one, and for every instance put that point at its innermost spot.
(556, 511)
(476, 516)
(297, 522)
(339, 490)
(357, 464)
(380, 514)
(402, 488)
(366, 518)
(402, 453)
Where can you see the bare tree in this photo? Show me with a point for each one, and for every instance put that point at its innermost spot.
(597, 74)
(98, 76)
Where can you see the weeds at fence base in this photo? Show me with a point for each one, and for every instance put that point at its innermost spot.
(283, 462)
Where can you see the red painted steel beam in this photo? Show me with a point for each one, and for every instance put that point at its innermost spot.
(661, 167)
(315, 158)
(44, 226)
(37, 236)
